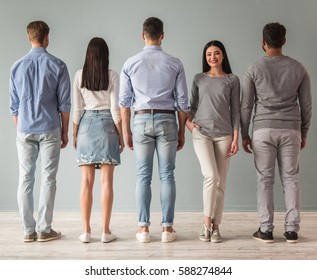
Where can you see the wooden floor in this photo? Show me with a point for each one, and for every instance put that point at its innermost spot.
(236, 230)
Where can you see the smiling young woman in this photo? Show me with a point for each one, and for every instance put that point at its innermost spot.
(214, 124)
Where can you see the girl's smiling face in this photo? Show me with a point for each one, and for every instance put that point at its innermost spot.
(214, 56)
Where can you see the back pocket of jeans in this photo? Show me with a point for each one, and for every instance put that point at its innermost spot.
(108, 126)
(84, 125)
(139, 131)
(170, 130)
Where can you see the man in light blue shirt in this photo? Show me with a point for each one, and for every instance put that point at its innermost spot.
(40, 106)
(153, 83)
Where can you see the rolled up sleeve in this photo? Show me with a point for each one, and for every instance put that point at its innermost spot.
(63, 91)
(14, 99)
(126, 90)
(181, 92)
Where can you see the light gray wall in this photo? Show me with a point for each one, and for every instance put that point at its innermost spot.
(189, 24)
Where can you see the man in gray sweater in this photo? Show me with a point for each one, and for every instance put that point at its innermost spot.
(278, 88)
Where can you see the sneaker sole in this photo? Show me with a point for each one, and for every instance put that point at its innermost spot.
(263, 240)
(109, 240)
(143, 240)
(215, 241)
(29, 240)
(291, 241)
(49, 239)
(168, 241)
(204, 240)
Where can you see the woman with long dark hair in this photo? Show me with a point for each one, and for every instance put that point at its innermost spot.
(97, 132)
(214, 124)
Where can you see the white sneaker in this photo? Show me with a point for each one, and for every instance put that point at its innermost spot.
(106, 238)
(85, 237)
(215, 236)
(168, 236)
(143, 237)
(205, 233)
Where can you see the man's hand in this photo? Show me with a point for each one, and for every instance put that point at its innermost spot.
(181, 140)
(129, 140)
(247, 145)
(64, 140)
(303, 143)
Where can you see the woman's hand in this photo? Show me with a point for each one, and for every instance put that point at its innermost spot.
(121, 145)
(191, 125)
(234, 144)
(74, 142)
(234, 148)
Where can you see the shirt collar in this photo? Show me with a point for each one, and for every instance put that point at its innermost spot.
(159, 48)
(37, 50)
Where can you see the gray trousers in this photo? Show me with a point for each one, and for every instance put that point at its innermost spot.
(281, 145)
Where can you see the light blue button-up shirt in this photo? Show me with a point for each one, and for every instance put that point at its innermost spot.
(39, 91)
(153, 79)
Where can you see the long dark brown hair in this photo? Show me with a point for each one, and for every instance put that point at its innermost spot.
(95, 71)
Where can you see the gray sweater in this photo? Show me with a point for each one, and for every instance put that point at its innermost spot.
(215, 104)
(278, 88)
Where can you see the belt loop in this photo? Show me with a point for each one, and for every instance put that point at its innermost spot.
(152, 112)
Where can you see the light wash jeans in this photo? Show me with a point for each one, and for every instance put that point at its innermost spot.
(281, 145)
(158, 132)
(29, 147)
(214, 163)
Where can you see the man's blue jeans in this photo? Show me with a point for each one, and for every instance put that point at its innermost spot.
(29, 147)
(155, 132)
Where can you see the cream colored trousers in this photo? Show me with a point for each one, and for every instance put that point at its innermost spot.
(214, 163)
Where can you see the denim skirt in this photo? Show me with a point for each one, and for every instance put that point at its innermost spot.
(97, 139)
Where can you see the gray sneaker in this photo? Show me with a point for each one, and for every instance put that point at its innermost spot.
(205, 233)
(52, 235)
(30, 237)
(215, 236)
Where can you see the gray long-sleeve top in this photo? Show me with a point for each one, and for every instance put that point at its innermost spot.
(215, 104)
(278, 88)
